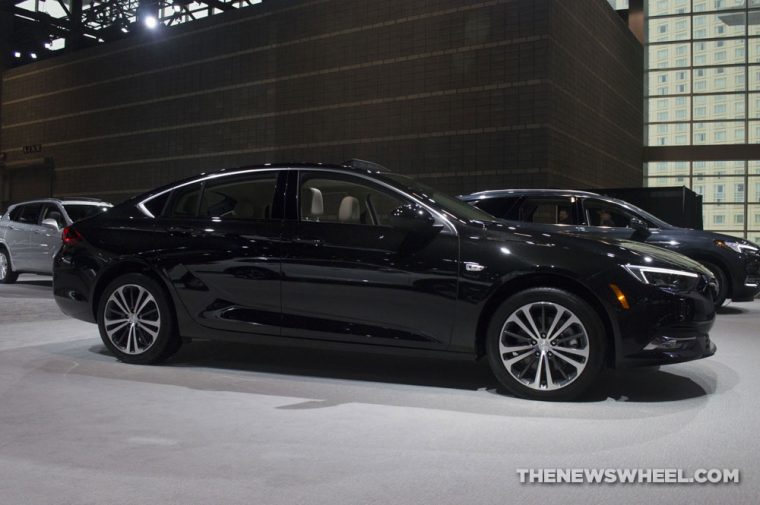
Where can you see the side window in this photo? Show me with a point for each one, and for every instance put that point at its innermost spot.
(501, 207)
(185, 201)
(248, 198)
(548, 211)
(606, 214)
(343, 200)
(15, 214)
(30, 214)
(156, 205)
(50, 211)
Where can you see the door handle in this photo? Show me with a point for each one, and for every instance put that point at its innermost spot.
(180, 230)
(308, 241)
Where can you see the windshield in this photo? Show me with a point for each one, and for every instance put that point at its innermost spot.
(78, 211)
(449, 204)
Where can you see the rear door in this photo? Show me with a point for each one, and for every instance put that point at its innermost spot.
(44, 240)
(550, 213)
(219, 243)
(23, 219)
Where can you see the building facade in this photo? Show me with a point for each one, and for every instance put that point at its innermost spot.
(703, 106)
(466, 94)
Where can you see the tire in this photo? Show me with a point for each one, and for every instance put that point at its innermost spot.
(136, 322)
(573, 357)
(7, 275)
(722, 279)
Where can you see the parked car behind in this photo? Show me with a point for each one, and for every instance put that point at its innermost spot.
(360, 256)
(735, 262)
(30, 233)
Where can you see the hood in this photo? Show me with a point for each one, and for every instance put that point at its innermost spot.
(619, 250)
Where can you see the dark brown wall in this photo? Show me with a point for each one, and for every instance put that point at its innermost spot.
(597, 98)
(465, 94)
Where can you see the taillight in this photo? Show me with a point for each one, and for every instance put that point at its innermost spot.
(70, 236)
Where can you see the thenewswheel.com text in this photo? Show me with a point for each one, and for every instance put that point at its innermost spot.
(627, 476)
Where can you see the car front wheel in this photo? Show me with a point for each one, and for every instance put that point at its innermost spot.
(546, 344)
(722, 279)
(135, 320)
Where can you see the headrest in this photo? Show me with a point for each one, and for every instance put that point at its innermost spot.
(349, 209)
(317, 203)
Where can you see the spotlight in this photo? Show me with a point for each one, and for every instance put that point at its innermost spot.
(48, 45)
(124, 29)
(33, 55)
(151, 22)
(17, 54)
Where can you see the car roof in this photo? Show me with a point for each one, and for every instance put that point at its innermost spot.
(354, 165)
(67, 200)
(494, 193)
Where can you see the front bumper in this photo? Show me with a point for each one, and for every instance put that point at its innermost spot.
(746, 282)
(674, 345)
(662, 327)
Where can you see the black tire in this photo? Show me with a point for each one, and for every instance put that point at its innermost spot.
(156, 313)
(547, 301)
(7, 275)
(722, 279)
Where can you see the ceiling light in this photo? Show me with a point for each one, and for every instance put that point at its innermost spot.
(151, 22)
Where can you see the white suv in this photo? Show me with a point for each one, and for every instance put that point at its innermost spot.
(30, 233)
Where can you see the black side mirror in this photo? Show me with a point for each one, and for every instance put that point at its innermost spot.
(639, 226)
(411, 217)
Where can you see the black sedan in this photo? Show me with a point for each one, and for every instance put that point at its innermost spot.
(734, 262)
(355, 255)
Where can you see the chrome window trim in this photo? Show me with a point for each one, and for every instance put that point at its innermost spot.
(437, 214)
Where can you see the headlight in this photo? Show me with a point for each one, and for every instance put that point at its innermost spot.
(737, 247)
(677, 280)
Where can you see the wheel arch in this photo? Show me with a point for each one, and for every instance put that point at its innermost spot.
(528, 281)
(129, 267)
(720, 263)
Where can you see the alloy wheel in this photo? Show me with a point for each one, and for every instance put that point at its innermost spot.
(4, 268)
(544, 346)
(132, 319)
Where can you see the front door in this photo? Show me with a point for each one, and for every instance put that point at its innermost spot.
(349, 275)
(607, 219)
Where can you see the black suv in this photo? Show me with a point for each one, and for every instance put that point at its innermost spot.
(734, 262)
(360, 256)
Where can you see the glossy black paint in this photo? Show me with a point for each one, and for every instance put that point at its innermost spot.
(402, 284)
(742, 270)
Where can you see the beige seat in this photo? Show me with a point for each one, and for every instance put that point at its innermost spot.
(317, 205)
(349, 211)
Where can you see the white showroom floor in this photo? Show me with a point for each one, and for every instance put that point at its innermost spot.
(230, 424)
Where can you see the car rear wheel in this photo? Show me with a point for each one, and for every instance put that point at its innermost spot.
(546, 344)
(7, 275)
(722, 280)
(135, 320)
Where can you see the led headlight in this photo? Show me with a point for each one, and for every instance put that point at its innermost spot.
(677, 280)
(736, 246)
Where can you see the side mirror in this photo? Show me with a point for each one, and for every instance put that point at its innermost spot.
(639, 226)
(411, 218)
(50, 223)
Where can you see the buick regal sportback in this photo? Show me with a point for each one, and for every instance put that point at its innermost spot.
(734, 262)
(360, 256)
(30, 233)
